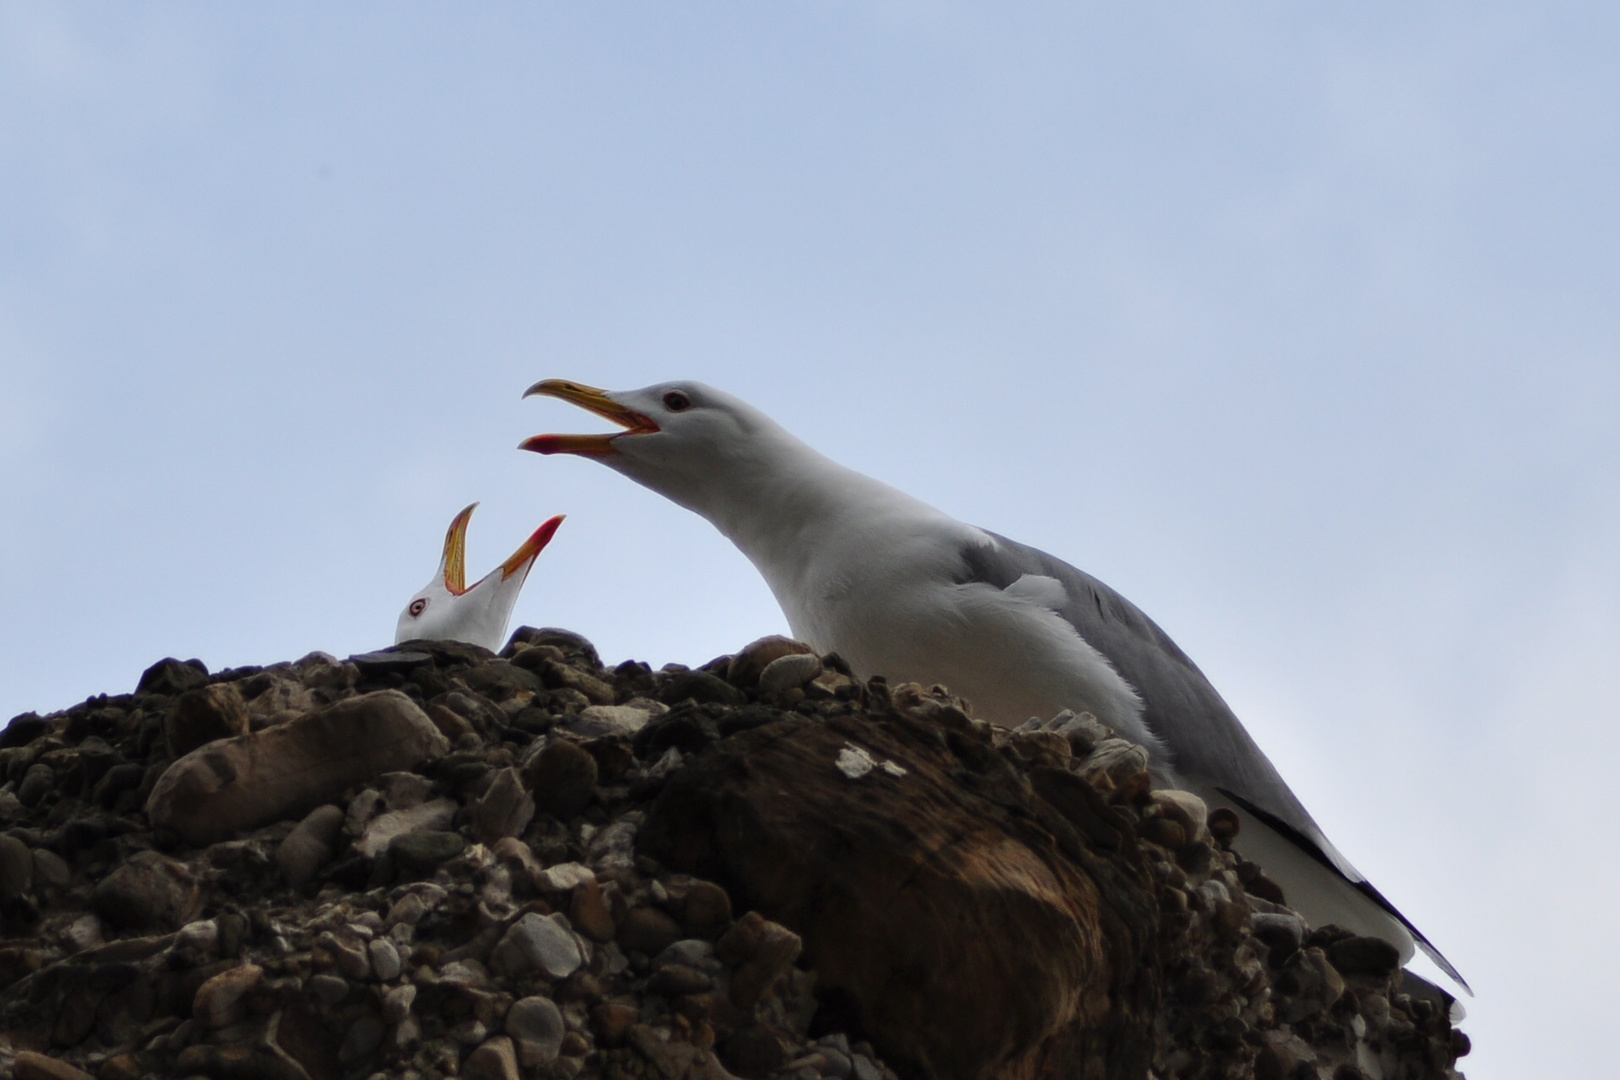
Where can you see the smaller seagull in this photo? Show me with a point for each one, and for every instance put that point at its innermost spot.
(447, 609)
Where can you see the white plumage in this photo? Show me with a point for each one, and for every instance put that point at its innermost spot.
(902, 590)
(449, 609)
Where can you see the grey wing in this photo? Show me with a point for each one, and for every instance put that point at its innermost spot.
(1180, 706)
(1206, 742)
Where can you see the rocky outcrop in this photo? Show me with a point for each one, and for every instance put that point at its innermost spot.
(433, 861)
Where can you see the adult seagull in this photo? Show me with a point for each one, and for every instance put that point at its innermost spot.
(448, 608)
(900, 589)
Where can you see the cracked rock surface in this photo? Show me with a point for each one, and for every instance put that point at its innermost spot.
(433, 861)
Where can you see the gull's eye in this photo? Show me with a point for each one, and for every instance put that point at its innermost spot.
(675, 401)
(418, 606)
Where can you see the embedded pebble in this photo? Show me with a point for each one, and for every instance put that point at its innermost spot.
(16, 868)
(540, 943)
(329, 988)
(37, 781)
(397, 1003)
(789, 672)
(385, 962)
(218, 1001)
(537, 1026)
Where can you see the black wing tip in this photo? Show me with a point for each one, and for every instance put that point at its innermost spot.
(1304, 843)
(1418, 936)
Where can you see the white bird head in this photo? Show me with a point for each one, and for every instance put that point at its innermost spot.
(691, 443)
(448, 609)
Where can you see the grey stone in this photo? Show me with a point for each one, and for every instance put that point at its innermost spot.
(385, 962)
(384, 830)
(504, 810)
(397, 1003)
(540, 943)
(403, 790)
(692, 952)
(496, 1059)
(328, 988)
(51, 869)
(310, 845)
(788, 672)
(836, 1063)
(16, 868)
(352, 958)
(864, 1069)
(536, 1025)
(39, 779)
(202, 936)
(1281, 933)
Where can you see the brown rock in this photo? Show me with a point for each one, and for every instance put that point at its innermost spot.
(1364, 956)
(253, 780)
(122, 1067)
(707, 909)
(648, 930)
(219, 1000)
(614, 1021)
(496, 1059)
(762, 951)
(505, 809)
(171, 676)
(562, 778)
(979, 928)
(202, 715)
(451, 725)
(148, 892)
(32, 1066)
(588, 911)
(746, 667)
(557, 675)
(308, 846)
(755, 1051)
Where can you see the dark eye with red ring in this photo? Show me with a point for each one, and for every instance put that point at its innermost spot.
(675, 401)
(418, 606)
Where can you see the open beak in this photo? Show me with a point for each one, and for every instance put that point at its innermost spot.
(454, 566)
(454, 563)
(598, 402)
(524, 556)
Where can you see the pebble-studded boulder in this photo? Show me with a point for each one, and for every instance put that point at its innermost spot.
(758, 869)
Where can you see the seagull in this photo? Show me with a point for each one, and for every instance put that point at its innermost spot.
(448, 609)
(900, 589)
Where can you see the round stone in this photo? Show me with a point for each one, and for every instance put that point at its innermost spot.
(385, 962)
(707, 910)
(16, 868)
(38, 780)
(540, 943)
(648, 930)
(536, 1024)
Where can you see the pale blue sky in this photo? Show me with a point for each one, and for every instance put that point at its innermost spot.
(1299, 327)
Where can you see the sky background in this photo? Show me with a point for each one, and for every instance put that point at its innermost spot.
(1299, 326)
